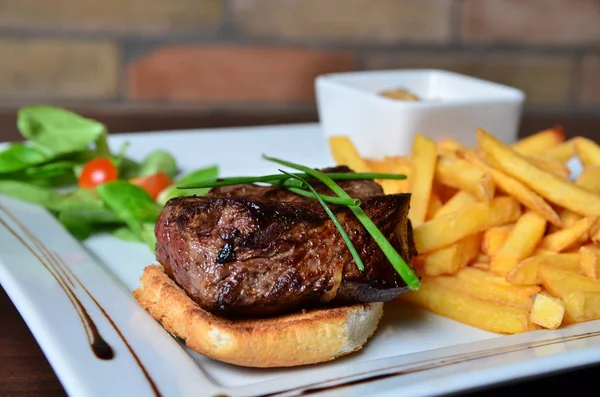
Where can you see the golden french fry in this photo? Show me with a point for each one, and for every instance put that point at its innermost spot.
(518, 190)
(483, 258)
(562, 152)
(488, 278)
(590, 261)
(424, 159)
(460, 174)
(595, 234)
(377, 166)
(547, 311)
(520, 243)
(569, 218)
(445, 230)
(582, 306)
(528, 271)
(590, 179)
(451, 259)
(445, 300)
(458, 201)
(588, 151)
(502, 294)
(435, 203)
(548, 185)
(480, 265)
(345, 153)
(448, 146)
(562, 283)
(494, 238)
(559, 241)
(540, 142)
(554, 167)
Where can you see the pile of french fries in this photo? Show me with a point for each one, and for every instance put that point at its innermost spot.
(507, 241)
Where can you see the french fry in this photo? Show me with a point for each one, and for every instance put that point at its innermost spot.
(487, 278)
(458, 201)
(547, 311)
(562, 152)
(448, 146)
(480, 265)
(462, 175)
(395, 165)
(451, 259)
(548, 185)
(559, 241)
(519, 191)
(554, 167)
(520, 243)
(562, 283)
(569, 218)
(494, 238)
(435, 203)
(590, 261)
(483, 258)
(590, 179)
(445, 230)
(582, 306)
(595, 236)
(540, 142)
(528, 271)
(587, 151)
(376, 166)
(447, 301)
(490, 291)
(345, 153)
(424, 158)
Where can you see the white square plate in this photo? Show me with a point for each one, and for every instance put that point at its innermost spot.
(66, 291)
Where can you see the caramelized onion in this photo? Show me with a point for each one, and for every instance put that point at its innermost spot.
(337, 280)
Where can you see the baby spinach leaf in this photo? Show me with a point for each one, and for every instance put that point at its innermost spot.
(53, 169)
(205, 174)
(156, 161)
(18, 157)
(126, 234)
(132, 204)
(59, 131)
(34, 194)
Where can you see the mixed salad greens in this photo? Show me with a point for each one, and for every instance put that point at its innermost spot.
(65, 164)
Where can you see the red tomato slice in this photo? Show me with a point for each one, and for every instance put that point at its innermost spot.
(96, 172)
(153, 184)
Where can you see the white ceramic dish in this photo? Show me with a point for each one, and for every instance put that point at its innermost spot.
(452, 106)
(414, 353)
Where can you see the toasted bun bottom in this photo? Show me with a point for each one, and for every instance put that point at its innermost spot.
(305, 337)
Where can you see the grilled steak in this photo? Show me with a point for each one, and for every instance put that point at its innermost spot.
(250, 251)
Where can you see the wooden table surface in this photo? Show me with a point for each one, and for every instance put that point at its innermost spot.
(24, 370)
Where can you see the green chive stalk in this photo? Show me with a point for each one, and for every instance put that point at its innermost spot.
(409, 277)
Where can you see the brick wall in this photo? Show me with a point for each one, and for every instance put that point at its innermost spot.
(264, 54)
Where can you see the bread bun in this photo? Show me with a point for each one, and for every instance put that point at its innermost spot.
(306, 337)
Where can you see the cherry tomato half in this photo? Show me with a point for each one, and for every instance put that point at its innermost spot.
(96, 172)
(153, 184)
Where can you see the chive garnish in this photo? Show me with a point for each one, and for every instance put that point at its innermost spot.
(352, 202)
(409, 277)
(334, 219)
(277, 178)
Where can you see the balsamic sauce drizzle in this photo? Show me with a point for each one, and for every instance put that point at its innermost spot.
(64, 276)
(426, 365)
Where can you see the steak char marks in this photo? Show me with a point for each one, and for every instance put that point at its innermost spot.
(256, 251)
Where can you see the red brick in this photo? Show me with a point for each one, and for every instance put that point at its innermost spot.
(546, 80)
(357, 20)
(231, 73)
(589, 90)
(120, 16)
(58, 69)
(531, 21)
